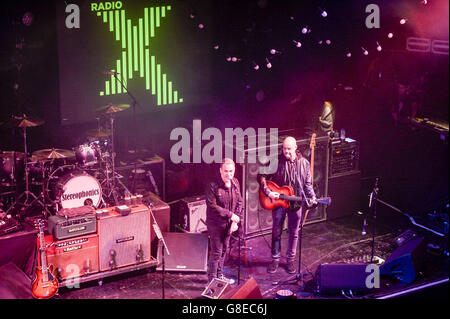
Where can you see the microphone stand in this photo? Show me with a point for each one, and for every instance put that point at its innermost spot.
(373, 197)
(134, 103)
(163, 248)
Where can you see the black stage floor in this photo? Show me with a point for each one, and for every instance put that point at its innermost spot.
(332, 241)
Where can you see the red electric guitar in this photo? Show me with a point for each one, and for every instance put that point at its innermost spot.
(286, 196)
(45, 285)
(287, 192)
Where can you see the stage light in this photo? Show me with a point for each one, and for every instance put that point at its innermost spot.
(328, 42)
(323, 13)
(201, 26)
(27, 19)
(390, 35)
(403, 21)
(379, 47)
(326, 120)
(273, 51)
(192, 15)
(305, 30)
(228, 58)
(268, 64)
(349, 55)
(216, 47)
(255, 66)
(234, 59)
(297, 44)
(320, 42)
(365, 51)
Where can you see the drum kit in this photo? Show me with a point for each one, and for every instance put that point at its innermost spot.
(55, 178)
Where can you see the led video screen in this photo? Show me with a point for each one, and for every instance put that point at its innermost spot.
(152, 50)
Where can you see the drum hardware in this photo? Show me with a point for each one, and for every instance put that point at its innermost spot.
(24, 122)
(109, 111)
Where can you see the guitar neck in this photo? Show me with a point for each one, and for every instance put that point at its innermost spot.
(44, 266)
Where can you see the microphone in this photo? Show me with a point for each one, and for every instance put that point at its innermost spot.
(110, 72)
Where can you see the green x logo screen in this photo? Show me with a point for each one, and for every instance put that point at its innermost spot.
(150, 48)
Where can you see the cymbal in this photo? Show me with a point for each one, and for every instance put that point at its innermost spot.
(110, 108)
(52, 153)
(98, 133)
(22, 121)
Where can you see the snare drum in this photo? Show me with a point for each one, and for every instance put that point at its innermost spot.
(87, 154)
(71, 188)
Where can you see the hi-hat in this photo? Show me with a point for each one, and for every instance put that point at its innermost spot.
(110, 108)
(22, 121)
(52, 153)
(98, 133)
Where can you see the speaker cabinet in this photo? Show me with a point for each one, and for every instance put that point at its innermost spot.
(332, 278)
(73, 257)
(344, 191)
(124, 240)
(405, 261)
(188, 252)
(247, 290)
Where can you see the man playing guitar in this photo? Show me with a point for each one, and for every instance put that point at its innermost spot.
(293, 170)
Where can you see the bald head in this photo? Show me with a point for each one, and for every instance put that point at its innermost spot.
(289, 148)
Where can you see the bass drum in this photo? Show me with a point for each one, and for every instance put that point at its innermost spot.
(69, 188)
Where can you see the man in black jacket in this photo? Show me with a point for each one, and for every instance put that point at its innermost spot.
(294, 170)
(223, 214)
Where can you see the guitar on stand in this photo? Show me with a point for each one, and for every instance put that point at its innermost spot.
(45, 285)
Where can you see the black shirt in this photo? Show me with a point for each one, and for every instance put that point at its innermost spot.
(222, 202)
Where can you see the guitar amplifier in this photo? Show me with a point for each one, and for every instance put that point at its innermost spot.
(192, 214)
(344, 157)
(74, 257)
(124, 238)
(64, 228)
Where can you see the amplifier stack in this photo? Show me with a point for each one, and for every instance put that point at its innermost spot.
(93, 246)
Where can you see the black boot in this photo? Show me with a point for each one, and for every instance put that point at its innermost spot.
(290, 267)
(273, 266)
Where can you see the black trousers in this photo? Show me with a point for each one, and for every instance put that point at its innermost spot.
(219, 242)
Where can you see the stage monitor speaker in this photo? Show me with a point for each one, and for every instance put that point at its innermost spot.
(188, 252)
(124, 240)
(344, 191)
(332, 278)
(216, 288)
(247, 290)
(405, 261)
(73, 257)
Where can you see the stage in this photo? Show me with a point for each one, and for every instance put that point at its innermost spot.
(337, 241)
